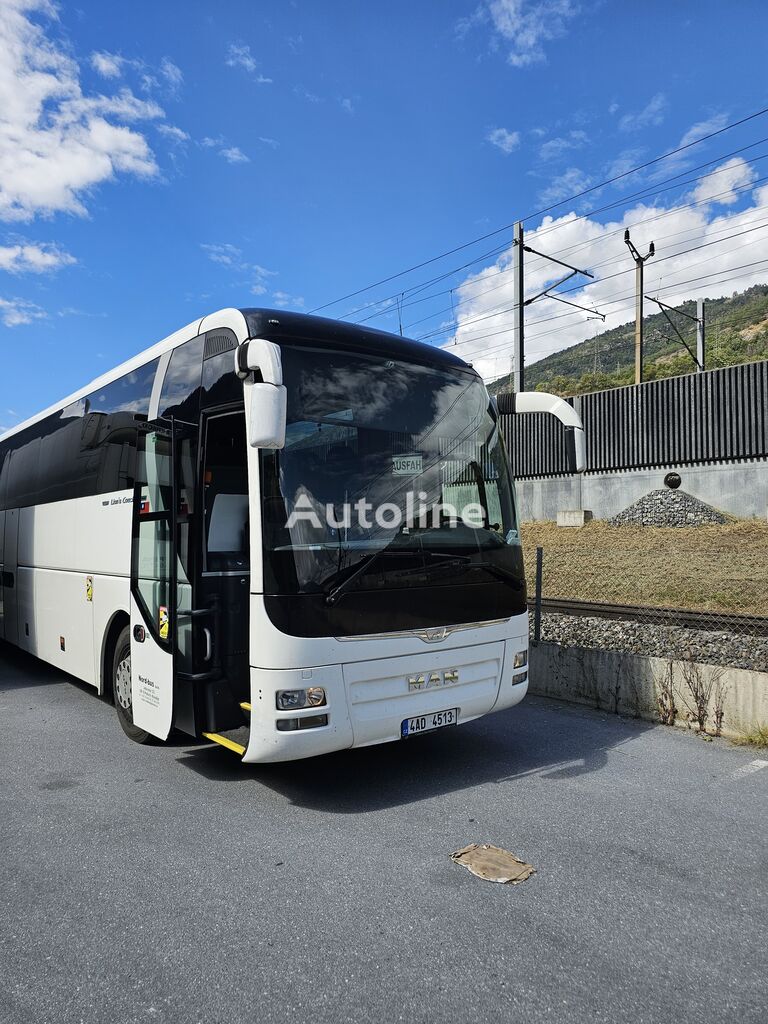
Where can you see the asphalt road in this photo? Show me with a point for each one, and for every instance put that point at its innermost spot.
(173, 884)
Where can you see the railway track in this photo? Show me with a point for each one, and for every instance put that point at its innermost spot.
(749, 625)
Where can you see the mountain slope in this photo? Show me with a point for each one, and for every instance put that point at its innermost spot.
(736, 332)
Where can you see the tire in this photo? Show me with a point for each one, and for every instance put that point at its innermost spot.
(121, 688)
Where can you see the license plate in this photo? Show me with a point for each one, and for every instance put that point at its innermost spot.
(426, 723)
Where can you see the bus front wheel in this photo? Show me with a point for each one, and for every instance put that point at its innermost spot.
(121, 688)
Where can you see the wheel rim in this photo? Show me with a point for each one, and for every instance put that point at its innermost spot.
(123, 683)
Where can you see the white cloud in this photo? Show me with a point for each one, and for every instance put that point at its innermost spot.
(623, 163)
(652, 114)
(525, 25)
(347, 105)
(229, 255)
(172, 73)
(720, 186)
(272, 143)
(224, 253)
(28, 257)
(702, 128)
(16, 312)
(172, 133)
(554, 148)
(697, 131)
(310, 97)
(56, 144)
(108, 65)
(261, 275)
(239, 56)
(569, 183)
(504, 140)
(283, 299)
(733, 238)
(234, 155)
(115, 65)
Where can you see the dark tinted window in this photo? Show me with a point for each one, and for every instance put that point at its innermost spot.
(180, 396)
(89, 447)
(221, 385)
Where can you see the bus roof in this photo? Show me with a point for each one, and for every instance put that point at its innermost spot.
(279, 324)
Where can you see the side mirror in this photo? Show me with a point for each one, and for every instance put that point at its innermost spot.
(267, 405)
(258, 364)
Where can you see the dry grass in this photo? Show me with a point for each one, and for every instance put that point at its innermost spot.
(757, 737)
(707, 568)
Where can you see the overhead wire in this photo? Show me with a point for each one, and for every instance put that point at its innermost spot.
(552, 206)
(608, 277)
(661, 290)
(578, 246)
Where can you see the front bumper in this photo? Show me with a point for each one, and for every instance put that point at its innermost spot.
(368, 700)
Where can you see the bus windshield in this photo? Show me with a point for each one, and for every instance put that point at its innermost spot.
(392, 474)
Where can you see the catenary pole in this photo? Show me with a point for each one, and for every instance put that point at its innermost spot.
(518, 303)
(639, 265)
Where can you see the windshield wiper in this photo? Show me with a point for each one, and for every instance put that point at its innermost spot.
(450, 562)
(501, 572)
(333, 595)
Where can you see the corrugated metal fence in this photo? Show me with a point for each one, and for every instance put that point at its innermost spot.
(702, 417)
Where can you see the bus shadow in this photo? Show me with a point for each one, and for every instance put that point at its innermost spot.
(20, 670)
(540, 737)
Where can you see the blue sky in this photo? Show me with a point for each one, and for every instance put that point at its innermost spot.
(161, 160)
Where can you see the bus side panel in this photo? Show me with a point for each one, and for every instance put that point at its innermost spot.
(111, 596)
(56, 620)
(74, 576)
(87, 535)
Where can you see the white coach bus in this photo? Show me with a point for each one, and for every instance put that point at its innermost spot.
(257, 532)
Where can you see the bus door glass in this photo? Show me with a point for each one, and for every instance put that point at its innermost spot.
(161, 591)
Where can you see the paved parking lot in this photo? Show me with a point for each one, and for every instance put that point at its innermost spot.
(173, 884)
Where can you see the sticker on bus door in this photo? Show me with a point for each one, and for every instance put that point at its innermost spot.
(162, 624)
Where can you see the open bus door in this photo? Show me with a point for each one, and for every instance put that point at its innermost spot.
(161, 592)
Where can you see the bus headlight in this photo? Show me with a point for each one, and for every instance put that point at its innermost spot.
(521, 658)
(292, 700)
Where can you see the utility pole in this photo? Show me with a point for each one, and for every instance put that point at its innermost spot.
(518, 302)
(700, 356)
(639, 265)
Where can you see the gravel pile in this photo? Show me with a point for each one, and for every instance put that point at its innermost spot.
(669, 508)
(711, 648)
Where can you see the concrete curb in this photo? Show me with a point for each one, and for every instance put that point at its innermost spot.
(628, 684)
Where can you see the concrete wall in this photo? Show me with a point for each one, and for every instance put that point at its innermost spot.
(627, 684)
(740, 488)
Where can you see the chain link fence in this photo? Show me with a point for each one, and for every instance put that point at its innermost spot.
(706, 603)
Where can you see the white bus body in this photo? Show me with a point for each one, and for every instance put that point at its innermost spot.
(173, 580)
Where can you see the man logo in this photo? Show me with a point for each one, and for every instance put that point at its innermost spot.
(431, 636)
(431, 680)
